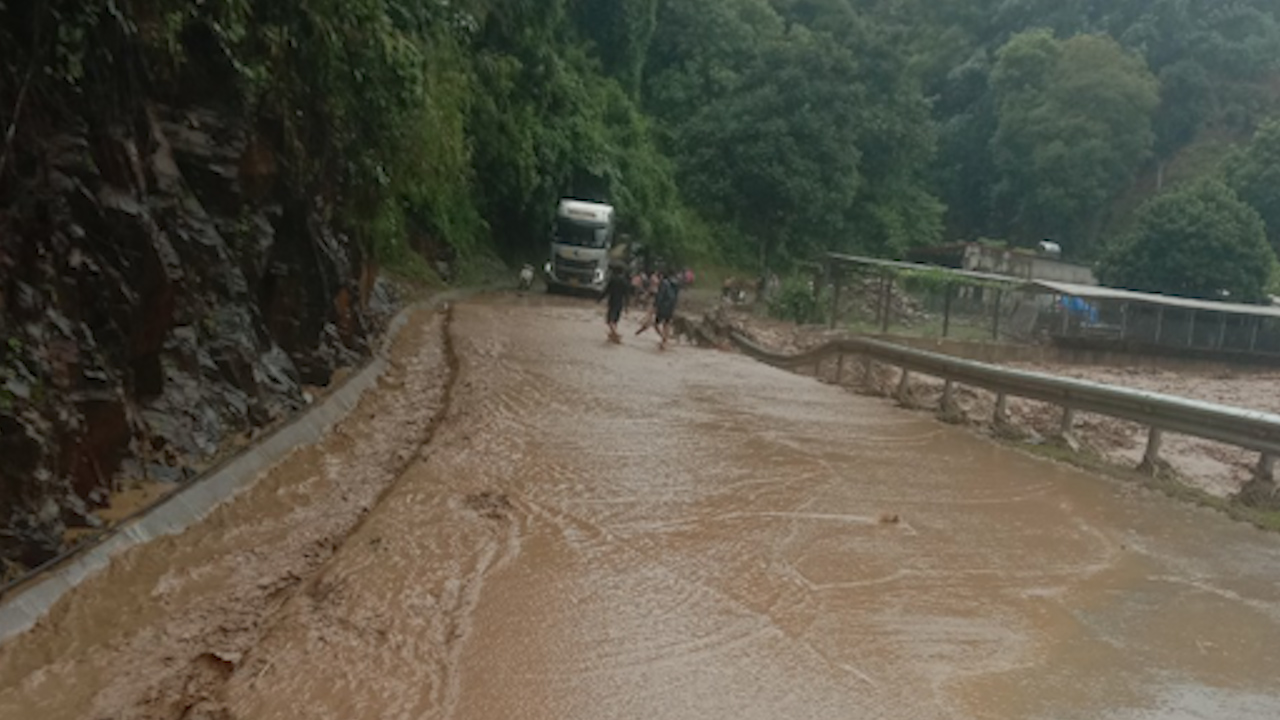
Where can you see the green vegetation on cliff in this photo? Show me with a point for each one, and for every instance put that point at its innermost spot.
(752, 130)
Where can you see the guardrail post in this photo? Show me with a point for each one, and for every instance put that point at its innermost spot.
(904, 388)
(1068, 422)
(840, 369)
(1066, 429)
(948, 411)
(1002, 409)
(1151, 458)
(1266, 471)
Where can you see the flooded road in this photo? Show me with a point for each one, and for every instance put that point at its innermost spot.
(599, 531)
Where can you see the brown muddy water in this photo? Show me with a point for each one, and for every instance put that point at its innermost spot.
(606, 532)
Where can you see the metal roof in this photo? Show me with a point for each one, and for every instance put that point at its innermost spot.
(1091, 292)
(899, 265)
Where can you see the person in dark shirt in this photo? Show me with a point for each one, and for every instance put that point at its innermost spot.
(665, 306)
(617, 291)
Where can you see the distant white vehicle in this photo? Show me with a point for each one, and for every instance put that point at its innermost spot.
(581, 239)
(1050, 248)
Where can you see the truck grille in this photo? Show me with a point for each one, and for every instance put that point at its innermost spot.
(579, 271)
(576, 267)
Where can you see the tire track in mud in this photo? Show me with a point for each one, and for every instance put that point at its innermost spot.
(323, 593)
(161, 633)
(384, 626)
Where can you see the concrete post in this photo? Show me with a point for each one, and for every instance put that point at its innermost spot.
(1222, 332)
(948, 411)
(1253, 339)
(1151, 458)
(1002, 409)
(840, 369)
(1266, 471)
(1068, 422)
(904, 387)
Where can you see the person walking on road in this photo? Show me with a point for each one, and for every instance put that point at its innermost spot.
(665, 306)
(617, 291)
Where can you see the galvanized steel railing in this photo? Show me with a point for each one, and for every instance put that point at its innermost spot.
(1249, 429)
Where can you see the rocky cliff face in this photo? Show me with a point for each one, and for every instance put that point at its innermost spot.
(161, 291)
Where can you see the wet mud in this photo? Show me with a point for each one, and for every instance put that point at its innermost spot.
(159, 633)
(602, 531)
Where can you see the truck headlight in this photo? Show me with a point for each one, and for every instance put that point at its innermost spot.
(599, 276)
(547, 268)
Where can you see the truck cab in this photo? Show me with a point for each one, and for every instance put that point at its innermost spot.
(581, 239)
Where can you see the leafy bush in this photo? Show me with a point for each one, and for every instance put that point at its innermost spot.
(795, 302)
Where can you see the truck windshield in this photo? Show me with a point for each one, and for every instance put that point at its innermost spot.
(575, 233)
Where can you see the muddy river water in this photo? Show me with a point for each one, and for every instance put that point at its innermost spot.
(609, 532)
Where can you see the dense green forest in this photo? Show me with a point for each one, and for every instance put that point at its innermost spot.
(744, 132)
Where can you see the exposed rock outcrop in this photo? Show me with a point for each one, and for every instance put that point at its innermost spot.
(162, 289)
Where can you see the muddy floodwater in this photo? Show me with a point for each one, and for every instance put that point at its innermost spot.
(574, 530)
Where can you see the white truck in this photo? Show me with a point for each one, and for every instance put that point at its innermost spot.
(581, 240)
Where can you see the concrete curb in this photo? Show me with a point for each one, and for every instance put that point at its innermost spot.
(21, 611)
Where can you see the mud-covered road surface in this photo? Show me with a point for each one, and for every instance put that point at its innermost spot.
(581, 531)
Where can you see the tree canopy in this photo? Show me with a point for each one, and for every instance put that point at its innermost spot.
(746, 131)
(1199, 241)
(1254, 173)
(1073, 128)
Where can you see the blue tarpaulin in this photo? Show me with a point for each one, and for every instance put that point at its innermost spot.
(1078, 307)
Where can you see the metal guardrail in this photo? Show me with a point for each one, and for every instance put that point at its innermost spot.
(1249, 429)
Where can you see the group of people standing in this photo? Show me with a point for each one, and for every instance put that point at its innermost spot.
(658, 292)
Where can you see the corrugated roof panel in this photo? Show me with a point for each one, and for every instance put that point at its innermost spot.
(1090, 292)
(899, 265)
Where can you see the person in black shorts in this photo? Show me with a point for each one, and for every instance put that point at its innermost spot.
(665, 306)
(617, 291)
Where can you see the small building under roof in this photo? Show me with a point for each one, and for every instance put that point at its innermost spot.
(1009, 262)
